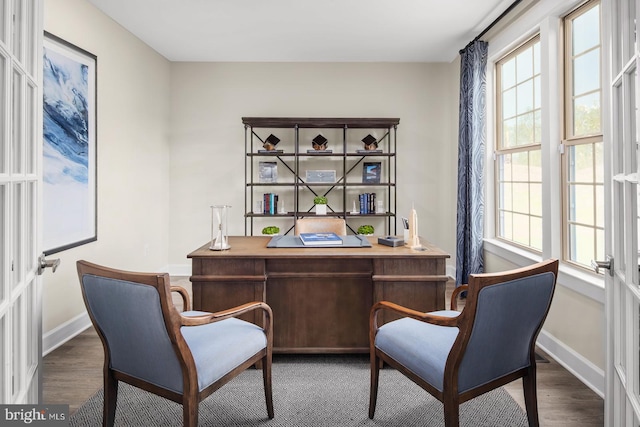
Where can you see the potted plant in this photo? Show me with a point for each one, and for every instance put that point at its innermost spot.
(321, 205)
(270, 230)
(366, 230)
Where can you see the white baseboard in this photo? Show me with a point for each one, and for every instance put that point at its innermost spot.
(591, 375)
(63, 333)
(177, 270)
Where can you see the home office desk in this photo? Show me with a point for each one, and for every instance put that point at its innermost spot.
(320, 296)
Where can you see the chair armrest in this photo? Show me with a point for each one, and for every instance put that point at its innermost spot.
(205, 319)
(185, 297)
(407, 312)
(454, 296)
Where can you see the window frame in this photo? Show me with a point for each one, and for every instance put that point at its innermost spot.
(569, 138)
(500, 150)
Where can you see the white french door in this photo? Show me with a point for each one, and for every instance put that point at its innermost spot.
(622, 403)
(20, 194)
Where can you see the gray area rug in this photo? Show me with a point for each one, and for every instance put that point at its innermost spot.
(308, 390)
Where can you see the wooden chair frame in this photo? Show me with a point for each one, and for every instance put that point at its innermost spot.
(450, 397)
(191, 396)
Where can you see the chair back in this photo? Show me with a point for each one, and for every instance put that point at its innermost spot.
(127, 312)
(503, 316)
(321, 225)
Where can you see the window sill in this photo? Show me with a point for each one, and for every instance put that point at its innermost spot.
(585, 283)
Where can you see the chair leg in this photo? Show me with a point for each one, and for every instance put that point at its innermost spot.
(266, 377)
(451, 411)
(190, 411)
(375, 375)
(530, 396)
(110, 399)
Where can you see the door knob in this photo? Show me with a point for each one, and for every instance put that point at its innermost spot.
(44, 263)
(608, 264)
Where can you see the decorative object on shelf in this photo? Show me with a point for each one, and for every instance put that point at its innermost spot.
(370, 145)
(371, 172)
(354, 209)
(219, 234)
(268, 172)
(319, 142)
(270, 143)
(366, 230)
(379, 206)
(414, 240)
(321, 176)
(271, 230)
(259, 207)
(321, 205)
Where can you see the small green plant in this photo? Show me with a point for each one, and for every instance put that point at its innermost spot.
(272, 229)
(320, 200)
(366, 229)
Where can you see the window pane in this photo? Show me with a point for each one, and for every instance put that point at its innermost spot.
(586, 72)
(504, 167)
(581, 204)
(535, 166)
(525, 97)
(506, 225)
(508, 72)
(581, 163)
(582, 244)
(521, 198)
(586, 114)
(586, 31)
(537, 92)
(524, 65)
(509, 133)
(537, 127)
(506, 193)
(536, 58)
(536, 233)
(520, 166)
(509, 103)
(524, 131)
(535, 199)
(521, 229)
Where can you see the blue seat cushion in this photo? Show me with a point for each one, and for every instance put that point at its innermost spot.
(421, 347)
(220, 347)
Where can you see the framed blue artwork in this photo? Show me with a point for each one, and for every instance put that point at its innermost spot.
(69, 152)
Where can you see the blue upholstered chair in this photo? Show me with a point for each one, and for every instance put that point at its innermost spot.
(457, 356)
(149, 344)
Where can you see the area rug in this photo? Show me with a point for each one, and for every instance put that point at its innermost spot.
(308, 390)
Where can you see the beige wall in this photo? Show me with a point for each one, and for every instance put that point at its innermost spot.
(208, 101)
(133, 154)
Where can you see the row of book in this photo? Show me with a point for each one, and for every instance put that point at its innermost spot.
(367, 203)
(270, 203)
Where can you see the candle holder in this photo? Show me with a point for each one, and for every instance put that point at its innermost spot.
(219, 234)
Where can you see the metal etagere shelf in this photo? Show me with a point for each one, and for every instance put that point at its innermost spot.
(295, 156)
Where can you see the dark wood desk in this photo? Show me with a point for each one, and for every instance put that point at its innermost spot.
(320, 297)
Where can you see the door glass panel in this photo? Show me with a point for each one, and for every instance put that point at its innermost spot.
(17, 356)
(18, 152)
(31, 134)
(4, 242)
(30, 226)
(3, 366)
(18, 19)
(4, 147)
(17, 268)
(32, 333)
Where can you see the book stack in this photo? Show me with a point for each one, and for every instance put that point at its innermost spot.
(367, 203)
(320, 239)
(270, 203)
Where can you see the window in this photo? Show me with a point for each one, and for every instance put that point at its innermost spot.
(518, 162)
(583, 174)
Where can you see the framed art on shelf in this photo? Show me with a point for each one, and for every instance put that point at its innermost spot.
(371, 172)
(69, 145)
(268, 172)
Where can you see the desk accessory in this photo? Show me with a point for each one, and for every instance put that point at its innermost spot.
(414, 240)
(392, 241)
(219, 234)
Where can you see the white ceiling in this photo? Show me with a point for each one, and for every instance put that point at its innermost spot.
(305, 30)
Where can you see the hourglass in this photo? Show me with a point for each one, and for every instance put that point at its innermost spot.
(219, 234)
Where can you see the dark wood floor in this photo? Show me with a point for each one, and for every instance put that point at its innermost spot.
(73, 373)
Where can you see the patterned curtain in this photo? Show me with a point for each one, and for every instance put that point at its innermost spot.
(471, 140)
